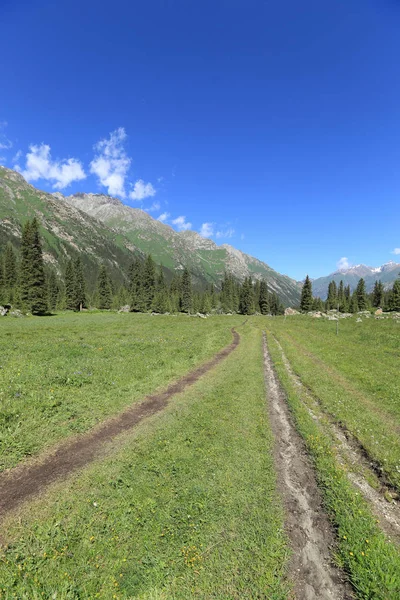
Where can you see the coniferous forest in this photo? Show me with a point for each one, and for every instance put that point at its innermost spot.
(340, 297)
(28, 284)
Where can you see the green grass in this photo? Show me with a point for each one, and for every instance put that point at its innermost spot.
(61, 375)
(372, 562)
(355, 376)
(187, 508)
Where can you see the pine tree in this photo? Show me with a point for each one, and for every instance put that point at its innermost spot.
(71, 296)
(206, 305)
(318, 304)
(33, 281)
(104, 289)
(52, 291)
(137, 299)
(306, 301)
(341, 297)
(2, 284)
(10, 267)
(264, 299)
(394, 298)
(186, 293)
(361, 295)
(80, 284)
(378, 295)
(161, 299)
(332, 299)
(149, 282)
(246, 303)
(354, 308)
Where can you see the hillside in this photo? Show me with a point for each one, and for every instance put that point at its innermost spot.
(206, 260)
(66, 231)
(102, 228)
(386, 273)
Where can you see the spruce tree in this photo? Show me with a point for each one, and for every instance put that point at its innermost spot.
(206, 304)
(137, 299)
(361, 295)
(332, 299)
(71, 296)
(354, 308)
(80, 284)
(149, 282)
(186, 293)
(10, 267)
(104, 289)
(264, 299)
(33, 281)
(378, 295)
(394, 297)
(246, 303)
(161, 299)
(306, 301)
(2, 284)
(52, 291)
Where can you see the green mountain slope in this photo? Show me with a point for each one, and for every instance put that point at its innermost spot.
(206, 260)
(65, 230)
(103, 229)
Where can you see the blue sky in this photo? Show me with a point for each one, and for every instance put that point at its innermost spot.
(273, 126)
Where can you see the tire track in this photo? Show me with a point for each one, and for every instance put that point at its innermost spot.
(353, 456)
(307, 525)
(26, 481)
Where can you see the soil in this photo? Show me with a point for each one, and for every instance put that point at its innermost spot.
(26, 481)
(311, 536)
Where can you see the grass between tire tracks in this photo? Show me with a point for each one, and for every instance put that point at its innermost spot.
(355, 376)
(186, 508)
(372, 562)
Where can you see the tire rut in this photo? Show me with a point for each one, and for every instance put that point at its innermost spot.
(24, 482)
(353, 457)
(311, 536)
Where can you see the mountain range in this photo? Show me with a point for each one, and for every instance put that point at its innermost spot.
(387, 273)
(103, 229)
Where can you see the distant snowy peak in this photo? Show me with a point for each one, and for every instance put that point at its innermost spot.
(364, 270)
(387, 273)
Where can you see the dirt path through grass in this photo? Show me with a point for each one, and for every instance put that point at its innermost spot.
(353, 457)
(309, 530)
(26, 481)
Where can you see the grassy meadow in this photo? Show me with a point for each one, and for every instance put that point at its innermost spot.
(185, 507)
(355, 376)
(61, 375)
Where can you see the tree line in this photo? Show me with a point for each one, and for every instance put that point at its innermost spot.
(28, 284)
(341, 298)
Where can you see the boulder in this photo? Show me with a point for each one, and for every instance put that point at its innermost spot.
(125, 309)
(291, 311)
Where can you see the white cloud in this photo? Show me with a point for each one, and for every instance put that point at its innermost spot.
(343, 263)
(142, 190)
(225, 233)
(181, 224)
(207, 230)
(163, 217)
(17, 156)
(39, 165)
(5, 143)
(153, 208)
(111, 163)
(396, 251)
